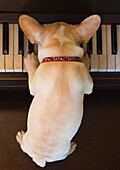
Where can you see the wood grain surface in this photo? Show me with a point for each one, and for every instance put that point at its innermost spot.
(98, 139)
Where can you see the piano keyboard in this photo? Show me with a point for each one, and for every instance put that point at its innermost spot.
(14, 45)
(103, 48)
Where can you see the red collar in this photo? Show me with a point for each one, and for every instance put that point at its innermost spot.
(61, 58)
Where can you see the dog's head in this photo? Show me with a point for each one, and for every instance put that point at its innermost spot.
(59, 38)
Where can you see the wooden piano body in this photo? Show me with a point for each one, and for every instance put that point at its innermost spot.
(49, 11)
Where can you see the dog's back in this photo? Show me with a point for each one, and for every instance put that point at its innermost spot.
(57, 108)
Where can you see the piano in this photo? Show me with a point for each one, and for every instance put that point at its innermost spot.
(103, 48)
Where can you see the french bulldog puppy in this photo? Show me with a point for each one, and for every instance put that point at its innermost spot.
(58, 88)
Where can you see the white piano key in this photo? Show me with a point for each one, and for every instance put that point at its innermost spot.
(94, 56)
(17, 57)
(2, 68)
(110, 58)
(9, 58)
(118, 50)
(25, 51)
(103, 56)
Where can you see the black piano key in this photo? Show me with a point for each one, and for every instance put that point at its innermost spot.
(81, 45)
(114, 39)
(89, 47)
(30, 47)
(5, 38)
(99, 41)
(21, 42)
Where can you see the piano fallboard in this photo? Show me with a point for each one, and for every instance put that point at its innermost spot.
(19, 81)
(73, 18)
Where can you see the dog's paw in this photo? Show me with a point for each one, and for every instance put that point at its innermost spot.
(19, 136)
(31, 62)
(86, 60)
(72, 147)
(40, 161)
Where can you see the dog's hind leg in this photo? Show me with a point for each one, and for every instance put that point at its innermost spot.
(40, 161)
(72, 149)
(19, 138)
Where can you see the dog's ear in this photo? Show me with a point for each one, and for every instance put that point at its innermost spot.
(31, 28)
(88, 27)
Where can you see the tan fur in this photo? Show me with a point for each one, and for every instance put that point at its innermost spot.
(58, 88)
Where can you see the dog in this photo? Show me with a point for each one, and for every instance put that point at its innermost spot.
(58, 87)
